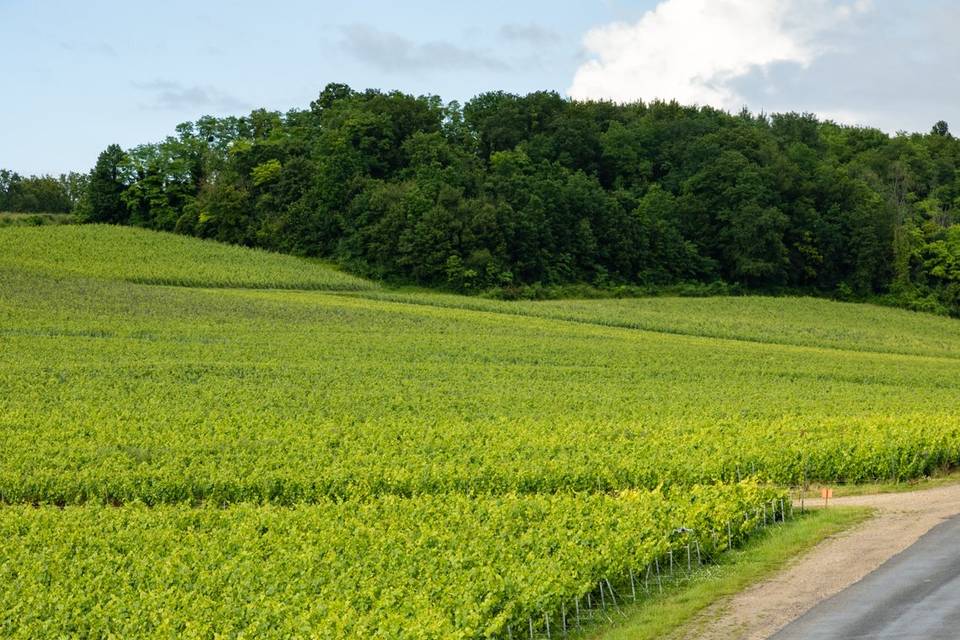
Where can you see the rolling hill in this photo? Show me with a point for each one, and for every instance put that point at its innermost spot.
(230, 455)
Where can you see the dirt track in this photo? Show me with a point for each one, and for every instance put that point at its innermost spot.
(834, 564)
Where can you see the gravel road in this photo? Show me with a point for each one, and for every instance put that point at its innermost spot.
(838, 562)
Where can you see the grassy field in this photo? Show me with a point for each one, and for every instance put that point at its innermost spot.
(546, 446)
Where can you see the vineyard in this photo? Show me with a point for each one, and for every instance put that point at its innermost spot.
(428, 567)
(274, 447)
(148, 257)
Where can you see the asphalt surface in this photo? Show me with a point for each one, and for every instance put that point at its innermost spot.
(914, 595)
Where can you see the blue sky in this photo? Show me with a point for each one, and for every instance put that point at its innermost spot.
(81, 75)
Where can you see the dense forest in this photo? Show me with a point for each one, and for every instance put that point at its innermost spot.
(516, 193)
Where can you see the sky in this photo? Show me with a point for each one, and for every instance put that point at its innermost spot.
(78, 76)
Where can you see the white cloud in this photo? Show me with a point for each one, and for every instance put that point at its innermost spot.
(693, 50)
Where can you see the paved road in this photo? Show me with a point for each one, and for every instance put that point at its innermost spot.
(914, 595)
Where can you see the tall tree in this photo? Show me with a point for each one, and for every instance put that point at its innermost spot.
(107, 183)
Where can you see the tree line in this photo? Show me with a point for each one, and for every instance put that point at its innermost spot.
(41, 194)
(507, 192)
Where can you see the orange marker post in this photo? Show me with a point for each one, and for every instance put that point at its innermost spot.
(826, 493)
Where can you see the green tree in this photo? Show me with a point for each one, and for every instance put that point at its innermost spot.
(108, 181)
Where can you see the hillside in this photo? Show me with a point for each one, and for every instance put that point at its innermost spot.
(513, 191)
(799, 321)
(149, 257)
(229, 458)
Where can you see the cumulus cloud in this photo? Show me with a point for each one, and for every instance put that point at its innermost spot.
(694, 50)
(392, 52)
(895, 67)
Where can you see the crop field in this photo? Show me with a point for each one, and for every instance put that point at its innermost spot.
(149, 257)
(811, 322)
(430, 566)
(226, 456)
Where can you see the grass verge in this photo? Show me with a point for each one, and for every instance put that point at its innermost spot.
(659, 616)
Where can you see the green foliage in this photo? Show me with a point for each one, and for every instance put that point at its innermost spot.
(108, 182)
(425, 567)
(266, 172)
(708, 311)
(40, 194)
(362, 463)
(8, 219)
(144, 256)
(539, 191)
(286, 397)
